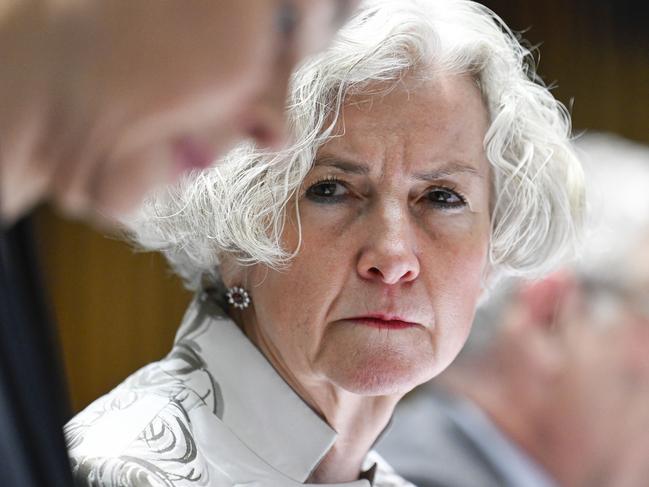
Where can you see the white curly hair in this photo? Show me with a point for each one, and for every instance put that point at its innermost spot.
(239, 207)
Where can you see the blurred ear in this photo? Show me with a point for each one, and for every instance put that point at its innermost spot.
(530, 335)
(543, 300)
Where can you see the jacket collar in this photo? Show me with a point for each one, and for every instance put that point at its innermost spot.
(258, 406)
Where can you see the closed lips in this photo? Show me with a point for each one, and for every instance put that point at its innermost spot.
(383, 321)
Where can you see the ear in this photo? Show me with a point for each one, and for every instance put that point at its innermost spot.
(542, 300)
(531, 324)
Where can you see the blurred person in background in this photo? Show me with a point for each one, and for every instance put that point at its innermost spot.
(101, 101)
(336, 275)
(553, 385)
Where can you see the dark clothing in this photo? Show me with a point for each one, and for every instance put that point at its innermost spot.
(33, 400)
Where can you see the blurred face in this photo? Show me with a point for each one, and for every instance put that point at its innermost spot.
(165, 87)
(395, 230)
(600, 390)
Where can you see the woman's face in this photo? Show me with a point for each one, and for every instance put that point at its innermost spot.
(165, 87)
(395, 230)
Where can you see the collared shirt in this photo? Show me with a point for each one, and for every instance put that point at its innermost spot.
(214, 412)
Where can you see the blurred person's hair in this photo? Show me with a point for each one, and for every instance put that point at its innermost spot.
(617, 178)
(239, 207)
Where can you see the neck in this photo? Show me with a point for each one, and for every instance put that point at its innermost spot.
(357, 419)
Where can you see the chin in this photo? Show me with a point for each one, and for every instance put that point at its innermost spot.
(382, 374)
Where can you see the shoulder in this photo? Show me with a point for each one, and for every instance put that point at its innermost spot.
(140, 433)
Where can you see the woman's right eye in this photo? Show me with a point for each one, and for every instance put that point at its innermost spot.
(329, 191)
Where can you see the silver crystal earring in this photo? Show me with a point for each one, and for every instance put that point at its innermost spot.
(238, 297)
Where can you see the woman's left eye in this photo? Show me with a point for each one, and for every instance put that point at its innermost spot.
(445, 198)
(329, 191)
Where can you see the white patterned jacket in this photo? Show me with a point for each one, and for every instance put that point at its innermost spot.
(214, 413)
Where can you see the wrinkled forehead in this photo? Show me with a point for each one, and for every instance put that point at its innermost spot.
(436, 121)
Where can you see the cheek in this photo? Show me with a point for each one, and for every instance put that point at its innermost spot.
(318, 21)
(201, 40)
(291, 304)
(464, 244)
(118, 185)
(207, 75)
(299, 297)
(455, 276)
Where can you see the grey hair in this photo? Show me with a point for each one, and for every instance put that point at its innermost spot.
(239, 207)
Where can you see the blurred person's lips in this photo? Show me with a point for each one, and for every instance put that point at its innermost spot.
(190, 154)
(384, 321)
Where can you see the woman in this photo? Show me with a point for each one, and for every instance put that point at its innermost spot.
(335, 276)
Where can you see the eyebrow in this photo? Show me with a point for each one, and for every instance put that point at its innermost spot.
(342, 164)
(447, 169)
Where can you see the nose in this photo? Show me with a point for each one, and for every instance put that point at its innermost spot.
(267, 121)
(389, 255)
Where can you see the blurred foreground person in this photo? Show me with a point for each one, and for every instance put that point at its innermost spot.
(553, 385)
(99, 102)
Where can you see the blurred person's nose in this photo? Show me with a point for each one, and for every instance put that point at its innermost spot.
(266, 123)
(389, 252)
